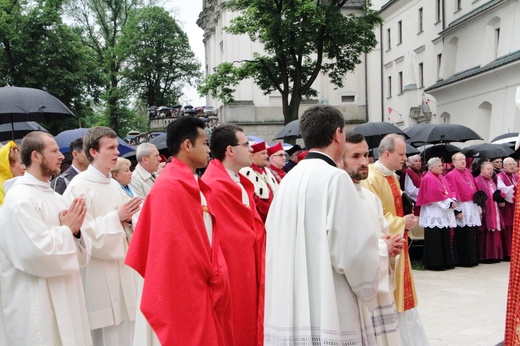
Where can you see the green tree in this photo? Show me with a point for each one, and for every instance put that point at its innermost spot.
(101, 23)
(158, 58)
(301, 38)
(37, 50)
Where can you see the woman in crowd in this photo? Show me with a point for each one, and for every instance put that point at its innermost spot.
(10, 165)
(437, 201)
(123, 175)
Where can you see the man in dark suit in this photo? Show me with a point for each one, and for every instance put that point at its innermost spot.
(79, 164)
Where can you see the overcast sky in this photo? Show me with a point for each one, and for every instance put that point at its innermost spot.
(187, 12)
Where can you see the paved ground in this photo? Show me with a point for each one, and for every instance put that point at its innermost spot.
(464, 306)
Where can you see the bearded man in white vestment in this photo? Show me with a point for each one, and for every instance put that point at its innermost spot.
(380, 322)
(41, 251)
(110, 285)
(320, 261)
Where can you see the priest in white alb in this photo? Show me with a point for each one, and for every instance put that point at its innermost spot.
(320, 261)
(110, 285)
(41, 251)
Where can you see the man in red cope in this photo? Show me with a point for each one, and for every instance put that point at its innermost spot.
(506, 182)
(277, 159)
(175, 247)
(242, 232)
(262, 178)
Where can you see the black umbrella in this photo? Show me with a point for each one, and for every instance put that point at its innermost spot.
(290, 131)
(20, 130)
(510, 137)
(28, 104)
(375, 131)
(487, 150)
(64, 138)
(444, 151)
(440, 133)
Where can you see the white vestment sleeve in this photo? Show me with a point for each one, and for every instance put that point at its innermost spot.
(35, 248)
(410, 189)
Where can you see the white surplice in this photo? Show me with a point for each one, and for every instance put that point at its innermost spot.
(320, 261)
(379, 321)
(42, 301)
(110, 285)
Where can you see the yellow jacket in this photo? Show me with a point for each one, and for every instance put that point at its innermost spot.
(5, 167)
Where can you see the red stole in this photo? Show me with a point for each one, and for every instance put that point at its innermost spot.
(242, 239)
(512, 334)
(186, 294)
(409, 302)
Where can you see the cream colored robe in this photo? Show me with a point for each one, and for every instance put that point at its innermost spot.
(380, 324)
(42, 301)
(142, 181)
(110, 285)
(320, 261)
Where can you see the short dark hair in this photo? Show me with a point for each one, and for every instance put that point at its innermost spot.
(77, 145)
(318, 125)
(221, 137)
(33, 141)
(92, 138)
(181, 129)
(354, 137)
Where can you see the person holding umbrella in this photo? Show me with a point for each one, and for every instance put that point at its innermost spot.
(11, 165)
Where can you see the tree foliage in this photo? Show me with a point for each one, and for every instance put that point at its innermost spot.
(158, 58)
(37, 50)
(301, 39)
(101, 23)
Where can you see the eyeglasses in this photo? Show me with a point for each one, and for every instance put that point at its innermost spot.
(279, 155)
(246, 144)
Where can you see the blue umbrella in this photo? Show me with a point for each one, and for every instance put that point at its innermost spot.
(66, 137)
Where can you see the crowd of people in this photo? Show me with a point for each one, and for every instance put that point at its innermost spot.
(267, 247)
(467, 216)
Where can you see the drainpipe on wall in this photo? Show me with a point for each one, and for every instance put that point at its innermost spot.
(381, 67)
(366, 87)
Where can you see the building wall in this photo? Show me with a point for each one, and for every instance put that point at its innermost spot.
(415, 56)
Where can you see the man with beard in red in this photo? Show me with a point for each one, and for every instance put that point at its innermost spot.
(242, 230)
(176, 248)
(41, 251)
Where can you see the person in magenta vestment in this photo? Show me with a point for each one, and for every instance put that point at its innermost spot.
(506, 183)
(437, 201)
(467, 212)
(242, 232)
(490, 240)
(176, 249)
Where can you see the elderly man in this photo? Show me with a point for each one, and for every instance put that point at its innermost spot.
(110, 286)
(383, 181)
(320, 260)
(410, 179)
(467, 212)
(176, 248)
(144, 175)
(277, 159)
(506, 182)
(437, 201)
(263, 180)
(79, 164)
(490, 238)
(242, 230)
(380, 318)
(41, 251)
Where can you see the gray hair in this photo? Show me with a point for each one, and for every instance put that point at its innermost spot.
(508, 160)
(433, 161)
(413, 157)
(144, 150)
(388, 143)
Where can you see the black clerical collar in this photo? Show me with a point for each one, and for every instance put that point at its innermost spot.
(321, 156)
